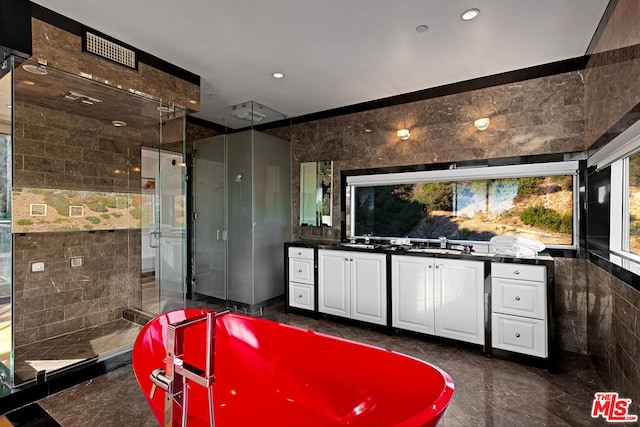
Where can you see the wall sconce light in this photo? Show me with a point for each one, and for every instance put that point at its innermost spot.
(403, 134)
(482, 124)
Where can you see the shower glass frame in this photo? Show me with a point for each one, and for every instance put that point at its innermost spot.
(150, 123)
(6, 250)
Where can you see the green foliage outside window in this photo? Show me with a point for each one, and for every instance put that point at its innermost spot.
(539, 216)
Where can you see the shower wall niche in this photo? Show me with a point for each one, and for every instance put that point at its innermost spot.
(80, 211)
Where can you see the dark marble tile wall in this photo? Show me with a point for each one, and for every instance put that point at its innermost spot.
(62, 299)
(612, 76)
(196, 132)
(58, 149)
(623, 27)
(55, 149)
(537, 116)
(614, 331)
(63, 51)
(570, 303)
(612, 92)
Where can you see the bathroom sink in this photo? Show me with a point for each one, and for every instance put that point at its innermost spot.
(448, 251)
(359, 245)
(436, 251)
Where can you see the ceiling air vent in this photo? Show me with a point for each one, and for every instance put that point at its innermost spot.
(109, 49)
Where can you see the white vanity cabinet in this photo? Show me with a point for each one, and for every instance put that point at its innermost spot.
(438, 296)
(519, 308)
(353, 285)
(301, 278)
(412, 294)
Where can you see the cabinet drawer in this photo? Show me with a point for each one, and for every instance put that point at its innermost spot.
(305, 253)
(301, 296)
(301, 270)
(519, 297)
(536, 273)
(519, 334)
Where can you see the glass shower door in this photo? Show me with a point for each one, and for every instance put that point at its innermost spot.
(6, 259)
(171, 231)
(164, 232)
(210, 236)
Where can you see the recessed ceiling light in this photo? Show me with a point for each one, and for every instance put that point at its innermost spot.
(421, 28)
(278, 75)
(119, 123)
(470, 14)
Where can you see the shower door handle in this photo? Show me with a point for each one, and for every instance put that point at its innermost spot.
(221, 235)
(154, 238)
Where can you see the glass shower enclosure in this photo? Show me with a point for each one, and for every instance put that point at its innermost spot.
(242, 205)
(92, 219)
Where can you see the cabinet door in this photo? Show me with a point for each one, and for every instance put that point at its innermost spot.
(459, 299)
(412, 293)
(369, 287)
(333, 282)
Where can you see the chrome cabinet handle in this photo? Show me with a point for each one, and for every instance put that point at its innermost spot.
(300, 296)
(516, 272)
(517, 334)
(517, 298)
(300, 271)
(346, 259)
(430, 266)
(299, 253)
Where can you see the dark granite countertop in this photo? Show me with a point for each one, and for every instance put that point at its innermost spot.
(385, 248)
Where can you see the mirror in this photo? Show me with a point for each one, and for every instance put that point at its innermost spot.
(315, 193)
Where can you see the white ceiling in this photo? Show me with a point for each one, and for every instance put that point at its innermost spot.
(336, 53)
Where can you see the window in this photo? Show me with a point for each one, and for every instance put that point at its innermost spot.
(632, 212)
(625, 206)
(473, 204)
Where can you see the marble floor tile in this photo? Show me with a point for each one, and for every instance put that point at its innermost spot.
(113, 399)
(489, 391)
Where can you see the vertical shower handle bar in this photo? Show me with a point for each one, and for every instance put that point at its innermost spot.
(173, 394)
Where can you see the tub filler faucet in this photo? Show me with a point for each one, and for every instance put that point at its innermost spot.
(177, 373)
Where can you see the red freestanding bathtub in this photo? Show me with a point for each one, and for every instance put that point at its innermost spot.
(266, 373)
